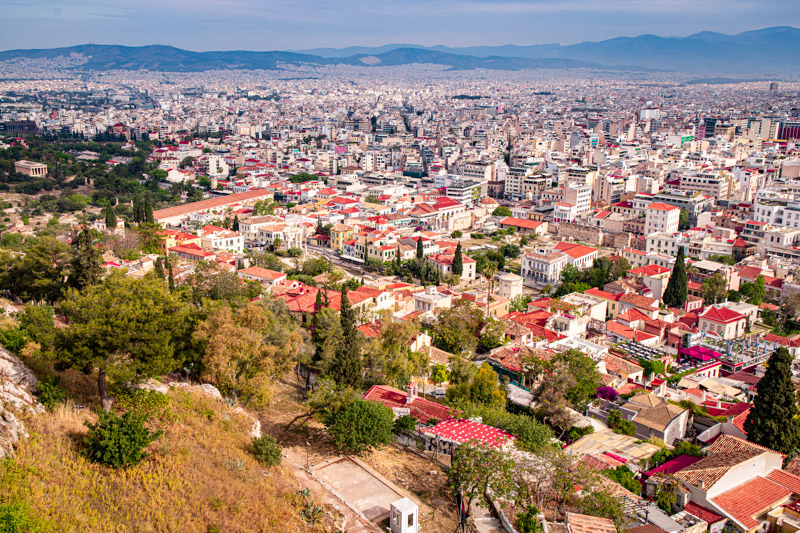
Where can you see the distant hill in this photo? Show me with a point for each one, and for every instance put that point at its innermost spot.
(171, 59)
(770, 51)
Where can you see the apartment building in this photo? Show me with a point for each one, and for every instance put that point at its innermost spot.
(661, 218)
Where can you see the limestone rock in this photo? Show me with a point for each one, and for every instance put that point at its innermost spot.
(152, 384)
(211, 390)
(17, 384)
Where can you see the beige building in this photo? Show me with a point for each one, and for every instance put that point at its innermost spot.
(29, 168)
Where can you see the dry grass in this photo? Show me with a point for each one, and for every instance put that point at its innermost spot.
(200, 477)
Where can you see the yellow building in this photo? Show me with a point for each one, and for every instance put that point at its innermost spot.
(339, 234)
(169, 238)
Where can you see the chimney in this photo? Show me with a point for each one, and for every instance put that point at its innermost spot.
(412, 392)
(702, 484)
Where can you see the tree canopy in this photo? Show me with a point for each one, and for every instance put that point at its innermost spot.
(123, 327)
(774, 420)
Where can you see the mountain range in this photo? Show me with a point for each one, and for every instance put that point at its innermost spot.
(769, 51)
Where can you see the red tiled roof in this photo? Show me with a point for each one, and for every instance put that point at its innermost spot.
(520, 223)
(649, 270)
(463, 430)
(702, 513)
(787, 479)
(751, 499)
(575, 251)
(264, 273)
(662, 207)
(421, 409)
(190, 249)
(721, 315)
(193, 207)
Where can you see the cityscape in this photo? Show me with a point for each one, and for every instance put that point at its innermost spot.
(490, 282)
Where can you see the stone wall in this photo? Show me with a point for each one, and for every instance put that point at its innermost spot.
(581, 233)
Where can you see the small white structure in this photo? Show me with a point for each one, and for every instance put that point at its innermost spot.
(404, 516)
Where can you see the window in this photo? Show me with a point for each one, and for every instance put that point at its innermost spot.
(396, 517)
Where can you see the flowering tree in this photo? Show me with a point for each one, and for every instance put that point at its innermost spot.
(607, 393)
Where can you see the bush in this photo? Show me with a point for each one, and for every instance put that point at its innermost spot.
(624, 476)
(405, 424)
(118, 441)
(528, 521)
(576, 433)
(141, 401)
(18, 518)
(267, 451)
(456, 234)
(361, 426)
(607, 393)
(620, 425)
(50, 393)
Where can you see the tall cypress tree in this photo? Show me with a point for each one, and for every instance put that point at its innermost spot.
(346, 368)
(420, 251)
(458, 262)
(235, 223)
(111, 219)
(774, 420)
(159, 267)
(137, 209)
(86, 269)
(148, 208)
(171, 277)
(677, 290)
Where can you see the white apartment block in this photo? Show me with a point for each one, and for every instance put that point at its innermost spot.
(661, 218)
(579, 195)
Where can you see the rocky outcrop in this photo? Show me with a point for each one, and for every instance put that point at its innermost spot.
(17, 385)
(208, 389)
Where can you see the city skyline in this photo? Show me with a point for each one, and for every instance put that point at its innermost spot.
(208, 24)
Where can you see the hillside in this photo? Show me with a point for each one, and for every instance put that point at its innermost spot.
(200, 476)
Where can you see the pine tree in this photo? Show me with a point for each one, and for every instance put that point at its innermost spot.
(677, 290)
(148, 208)
(235, 223)
(86, 269)
(159, 267)
(458, 262)
(346, 369)
(111, 219)
(420, 252)
(774, 420)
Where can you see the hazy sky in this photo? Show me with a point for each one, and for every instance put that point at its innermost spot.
(297, 24)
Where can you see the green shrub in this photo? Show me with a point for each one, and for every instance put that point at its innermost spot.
(267, 451)
(18, 518)
(145, 402)
(620, 425)
(50, 393)
(119, 441)
(361, 426)
(576, 433)
(405, 424)
(528, 521)
(624, 476)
